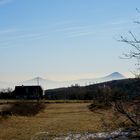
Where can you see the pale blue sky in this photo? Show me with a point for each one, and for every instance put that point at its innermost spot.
(64, 39)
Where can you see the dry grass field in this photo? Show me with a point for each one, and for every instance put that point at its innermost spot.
(56, 119)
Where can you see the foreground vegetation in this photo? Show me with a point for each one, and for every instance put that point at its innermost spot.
(60, 119)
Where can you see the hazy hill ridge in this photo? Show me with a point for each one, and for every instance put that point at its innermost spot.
(50, 84)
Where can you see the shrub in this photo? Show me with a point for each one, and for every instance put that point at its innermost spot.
(26, 109)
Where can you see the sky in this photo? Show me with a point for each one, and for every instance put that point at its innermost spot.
(65, 39)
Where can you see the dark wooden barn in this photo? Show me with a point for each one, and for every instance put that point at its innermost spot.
(28, 92)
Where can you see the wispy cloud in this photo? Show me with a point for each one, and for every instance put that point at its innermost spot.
(7, 31)
(119, 22)
(26, 36)
(72, 29)
(3, 2)
(63, 30)
(9, 37)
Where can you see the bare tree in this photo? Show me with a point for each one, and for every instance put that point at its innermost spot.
(133, 113)
(134, 43)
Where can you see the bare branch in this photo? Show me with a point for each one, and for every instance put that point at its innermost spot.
(137, 22)
(133, 36)
(120, 108)
(137, 10)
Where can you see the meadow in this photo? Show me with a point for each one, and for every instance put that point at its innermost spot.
(58, 119)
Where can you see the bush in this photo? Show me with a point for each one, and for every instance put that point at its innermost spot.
(99, 105)
(26, 109)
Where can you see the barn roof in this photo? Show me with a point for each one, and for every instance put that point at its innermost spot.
(29, 87)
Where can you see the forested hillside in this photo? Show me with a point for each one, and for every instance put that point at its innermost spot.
(127, 88)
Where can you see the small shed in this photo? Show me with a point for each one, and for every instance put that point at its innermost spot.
(28, 92)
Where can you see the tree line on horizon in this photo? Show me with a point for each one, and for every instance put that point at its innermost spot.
(127, 89)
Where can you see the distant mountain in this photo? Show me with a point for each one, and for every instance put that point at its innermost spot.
(45, 83)
(49, 84)
(35, 81)
(110, 77)
(114, 76)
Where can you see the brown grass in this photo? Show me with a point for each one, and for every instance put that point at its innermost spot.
(56, 119)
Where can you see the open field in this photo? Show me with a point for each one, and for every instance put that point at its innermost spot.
(46, 101)
(56, 119)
